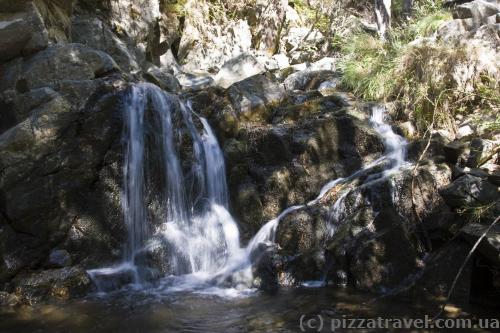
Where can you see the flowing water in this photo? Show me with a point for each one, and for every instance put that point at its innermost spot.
(191, 222)
(184, 269)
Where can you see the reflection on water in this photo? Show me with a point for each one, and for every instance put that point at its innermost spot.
(128, 312)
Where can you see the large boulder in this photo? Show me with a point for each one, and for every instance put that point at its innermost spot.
(470, 17)
(22, 30)
(252, 97)
(470, 191)
(72, 62)
(238, 69)
(206, 46)
(60, 160)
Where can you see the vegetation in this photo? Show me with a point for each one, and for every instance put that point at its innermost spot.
(433, 81)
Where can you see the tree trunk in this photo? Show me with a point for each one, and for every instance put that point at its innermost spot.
(383, 16)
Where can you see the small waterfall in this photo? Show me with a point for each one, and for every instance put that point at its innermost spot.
(166, 206)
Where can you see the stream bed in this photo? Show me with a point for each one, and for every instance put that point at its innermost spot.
(288, 310)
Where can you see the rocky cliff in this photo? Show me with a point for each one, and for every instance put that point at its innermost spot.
(263, 78)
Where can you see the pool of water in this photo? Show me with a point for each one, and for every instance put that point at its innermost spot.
(284, 311)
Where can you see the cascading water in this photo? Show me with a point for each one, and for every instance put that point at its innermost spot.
(185, 212)
(192, 222)
(393, 160)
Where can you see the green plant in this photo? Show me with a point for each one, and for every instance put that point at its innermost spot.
(434, 81)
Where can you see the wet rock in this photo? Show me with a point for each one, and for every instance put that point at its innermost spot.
(58, 259)
(249, 207)
(383, 262)
(238, 69)
(268, 264)
(301, 236)
(471, 191)
(63, 284)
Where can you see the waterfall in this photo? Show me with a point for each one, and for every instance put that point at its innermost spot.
(184, 210)
(175, 198)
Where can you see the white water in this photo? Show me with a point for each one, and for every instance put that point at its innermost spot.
(201, 236)
(191, 217)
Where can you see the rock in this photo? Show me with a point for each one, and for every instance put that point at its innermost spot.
(302, 44)
(205, 46)
(324, 64)
(307, 79)
(268, 264)
(58, 259)
(385, 261)
(481, 151)
(477, 10)
(407, 129)
(194, 82)
(300, 236)
(329, 87)
(440, 270)
(470, 17)
(62, 284)
(70, 62)
(270, 17)
(59, 153)
(8, 300)
(490, 246)
(238, 69)
(454, 152)
(249, 207)
(298, 36)
(162, 79)
(470, 191)
(276, 62)
(96, 34)
(22, 32)
(253, 95)
(464, 131)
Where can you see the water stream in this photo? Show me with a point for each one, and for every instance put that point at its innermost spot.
(187, 225)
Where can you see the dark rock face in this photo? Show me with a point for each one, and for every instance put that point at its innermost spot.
(470, 190)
